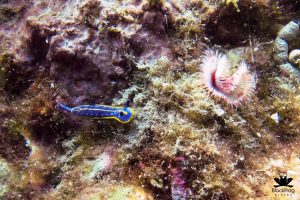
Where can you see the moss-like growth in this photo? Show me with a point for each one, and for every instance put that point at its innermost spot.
(5, 63)
(5, 172)
(127, 192)
(6, 14)
(15, 77)
(155, 3)
(233, 2)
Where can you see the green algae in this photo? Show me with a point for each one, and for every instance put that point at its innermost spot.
(126, 193)
(2, 78)
(188, 23)
(233, 2)
(7, 14)
(5, 64)
(176, 107)
(4, 177)
(116, 192)
(14, 77)
(155, 2)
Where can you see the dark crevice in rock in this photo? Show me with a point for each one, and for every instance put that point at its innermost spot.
(53, 179)
(13, 146)
(38, 46)
(48, 129)
(289, 5)
(226, 26)
(18, 78)
(90, 65)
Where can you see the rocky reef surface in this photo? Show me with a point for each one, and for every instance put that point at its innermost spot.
(183, 143)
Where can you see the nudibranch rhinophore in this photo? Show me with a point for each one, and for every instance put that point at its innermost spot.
(121, 114)
(233, 84)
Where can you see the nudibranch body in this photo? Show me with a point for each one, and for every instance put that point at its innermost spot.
(233, 84)
(121, 114)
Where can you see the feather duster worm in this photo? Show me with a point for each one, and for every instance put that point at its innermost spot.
(233, 84)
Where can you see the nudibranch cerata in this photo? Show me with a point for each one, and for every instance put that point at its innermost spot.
(233, 84)
(121, 114)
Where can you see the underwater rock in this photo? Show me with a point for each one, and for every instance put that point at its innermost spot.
(88, 58)
(154, 21)
(88, 54)
(289, 69)
(234, 25)
(233, 2)
(6, 14)
(179, 190)
(289, 6)
(15, 77)
(126, 192)
(289, 31)
(281, 50)
(287, 34)
(100, 165)
(294, 57)
(79, 51)
(11, 11)
(5, 173)
(12, 143)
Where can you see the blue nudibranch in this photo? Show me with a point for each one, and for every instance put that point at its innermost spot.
(121, 114)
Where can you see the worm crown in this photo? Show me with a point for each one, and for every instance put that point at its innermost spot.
(233, 84)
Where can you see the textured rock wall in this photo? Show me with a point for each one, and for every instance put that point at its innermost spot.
(183, 142)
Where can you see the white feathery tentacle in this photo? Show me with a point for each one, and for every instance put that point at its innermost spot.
(234, 88)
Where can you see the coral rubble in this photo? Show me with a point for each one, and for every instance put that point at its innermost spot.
(182, 142)
(286, 35)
